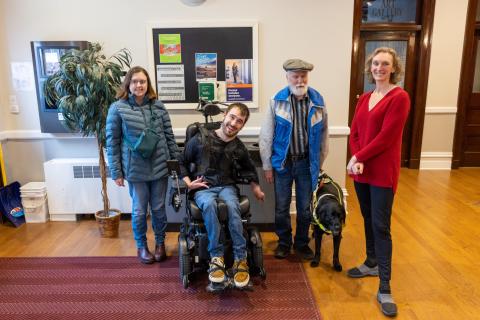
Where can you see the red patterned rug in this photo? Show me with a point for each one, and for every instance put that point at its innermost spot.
(104, 288)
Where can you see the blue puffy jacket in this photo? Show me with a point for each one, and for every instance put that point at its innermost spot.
(276, 132)
(125, 121)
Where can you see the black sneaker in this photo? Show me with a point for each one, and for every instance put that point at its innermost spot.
(281, 252)
(304, 252)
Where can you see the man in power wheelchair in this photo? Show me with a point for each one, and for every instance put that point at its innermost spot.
(212, 161)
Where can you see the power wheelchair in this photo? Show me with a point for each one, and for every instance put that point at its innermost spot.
(193, 240)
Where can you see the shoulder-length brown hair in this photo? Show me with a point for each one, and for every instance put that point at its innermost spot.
(124, 90)
(397, 65)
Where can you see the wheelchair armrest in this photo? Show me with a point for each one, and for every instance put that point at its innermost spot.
(244, 205)
(244, 177)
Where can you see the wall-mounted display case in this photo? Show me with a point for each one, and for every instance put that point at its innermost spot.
(46, 60)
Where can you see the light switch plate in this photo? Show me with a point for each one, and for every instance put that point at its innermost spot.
(13, 104)
(13, 99)
(14, 108)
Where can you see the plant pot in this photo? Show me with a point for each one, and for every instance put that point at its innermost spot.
(108, 226)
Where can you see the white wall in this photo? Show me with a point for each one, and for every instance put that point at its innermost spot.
(318, 31)
(3, 73)
(443, 83)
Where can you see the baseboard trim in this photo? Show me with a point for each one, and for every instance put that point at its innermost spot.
(441, 110)
(436, 160)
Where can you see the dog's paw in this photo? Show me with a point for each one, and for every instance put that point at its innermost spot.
(337, 267)
(314, 263)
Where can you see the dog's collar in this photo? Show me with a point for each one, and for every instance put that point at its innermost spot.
(315, 202)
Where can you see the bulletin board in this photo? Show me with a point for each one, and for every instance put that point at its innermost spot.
(188, 60)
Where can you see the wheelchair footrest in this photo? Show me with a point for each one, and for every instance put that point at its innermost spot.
(227, 284)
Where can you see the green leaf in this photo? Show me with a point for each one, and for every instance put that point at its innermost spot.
(84, 87)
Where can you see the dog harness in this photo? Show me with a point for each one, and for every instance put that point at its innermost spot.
(322, 180)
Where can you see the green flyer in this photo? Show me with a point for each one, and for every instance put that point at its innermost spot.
(170, 48)
(206, 91)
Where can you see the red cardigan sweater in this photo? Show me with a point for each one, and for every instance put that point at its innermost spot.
(376, 137)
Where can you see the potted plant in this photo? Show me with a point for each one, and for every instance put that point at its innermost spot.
(83, 89)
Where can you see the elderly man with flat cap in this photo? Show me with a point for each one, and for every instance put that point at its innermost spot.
(293, 147)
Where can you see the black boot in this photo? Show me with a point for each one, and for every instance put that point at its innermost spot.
(160, 253)
(145, 256)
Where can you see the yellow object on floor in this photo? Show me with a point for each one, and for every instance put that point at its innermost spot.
(3, 175)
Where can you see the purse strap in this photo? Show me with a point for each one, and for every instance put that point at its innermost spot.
(130, 145)
(145, 118)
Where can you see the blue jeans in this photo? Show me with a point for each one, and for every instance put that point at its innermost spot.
(298, 171)
(143, 194)
(206, 201)
(376, 206)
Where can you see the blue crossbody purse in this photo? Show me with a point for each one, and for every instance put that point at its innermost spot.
(148, 139)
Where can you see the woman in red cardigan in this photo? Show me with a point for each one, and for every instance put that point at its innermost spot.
(375, 143)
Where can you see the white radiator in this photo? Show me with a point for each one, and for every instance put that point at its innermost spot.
(74, 187)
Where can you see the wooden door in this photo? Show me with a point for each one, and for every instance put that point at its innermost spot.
(405, 25)
(404, 44)
(466, 143)
(471, 129)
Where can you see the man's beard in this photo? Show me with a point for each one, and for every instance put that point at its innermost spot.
(225, 131)
(298, 91)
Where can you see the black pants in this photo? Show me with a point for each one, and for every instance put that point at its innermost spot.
(376, 206)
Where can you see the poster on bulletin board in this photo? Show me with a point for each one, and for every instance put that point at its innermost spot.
(192, 60)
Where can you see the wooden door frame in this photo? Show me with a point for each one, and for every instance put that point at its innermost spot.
(466, 82)
(409, 78)
(426, 11)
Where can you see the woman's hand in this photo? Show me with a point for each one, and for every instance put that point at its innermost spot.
(354, 167)
(350, 164)
(357, 168)
(120, 182)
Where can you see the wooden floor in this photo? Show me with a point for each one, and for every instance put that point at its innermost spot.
(436, 258)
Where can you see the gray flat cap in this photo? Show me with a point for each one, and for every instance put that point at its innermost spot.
(297, 65)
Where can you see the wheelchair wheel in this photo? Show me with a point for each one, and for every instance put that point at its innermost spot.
(184, 261)
(256, 251)
(185, 281)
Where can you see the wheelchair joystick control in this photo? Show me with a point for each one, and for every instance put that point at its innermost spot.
(173, 168)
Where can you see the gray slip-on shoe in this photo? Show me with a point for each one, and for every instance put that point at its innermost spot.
(363, 271)
(389, 308)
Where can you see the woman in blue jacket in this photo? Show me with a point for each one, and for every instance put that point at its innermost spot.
(139, 117)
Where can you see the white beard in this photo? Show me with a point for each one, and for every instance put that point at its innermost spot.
(298, 91)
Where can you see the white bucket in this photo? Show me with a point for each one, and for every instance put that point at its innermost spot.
(34, 201)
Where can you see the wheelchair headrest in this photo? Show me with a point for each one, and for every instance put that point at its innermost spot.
(193, 128)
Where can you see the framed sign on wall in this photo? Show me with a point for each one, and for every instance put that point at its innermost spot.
(209, 60)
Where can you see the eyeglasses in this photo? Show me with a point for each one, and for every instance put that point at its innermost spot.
(141, 82)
